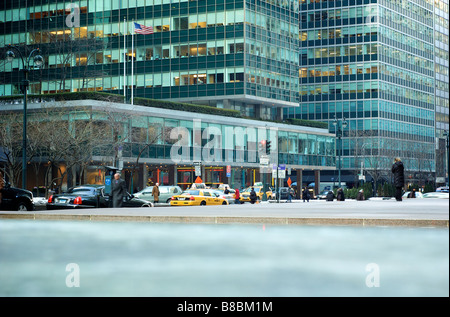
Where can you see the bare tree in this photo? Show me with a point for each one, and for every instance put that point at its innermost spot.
(11, 145)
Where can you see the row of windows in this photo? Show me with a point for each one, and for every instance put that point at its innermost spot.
(336, 70)
(333, 107)
(336, 33)
(397, 74)
(339, 88)
(403, 92)
(411, 61)
(412, 9)
(337, 51)
(406, 42)
(143, 129)
(221, 155)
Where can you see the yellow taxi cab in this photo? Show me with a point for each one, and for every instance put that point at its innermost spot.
(259, 190)
(197, 197)
(245, 195)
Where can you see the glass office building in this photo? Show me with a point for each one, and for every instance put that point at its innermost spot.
(373, 63)
(441, 30)
(380, 64)
(235, 54)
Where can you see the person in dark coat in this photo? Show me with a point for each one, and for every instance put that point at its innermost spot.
(360, 195)
(412, 194)
(330, 195)
(340, 195)
(290, 194)
(118, 191)
(253, 196)
(305, 195)
(155, 193)
(399, 177)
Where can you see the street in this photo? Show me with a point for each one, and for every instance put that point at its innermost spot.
(412, 212)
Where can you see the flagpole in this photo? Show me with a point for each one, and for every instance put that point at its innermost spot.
(132, 63)
(124, 62)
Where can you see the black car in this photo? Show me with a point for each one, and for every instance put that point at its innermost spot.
(90, 196)
(16, 199)
(283, 193)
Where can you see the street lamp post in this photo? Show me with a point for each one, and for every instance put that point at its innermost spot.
(26, 66)
(447, 134)
(340, 125)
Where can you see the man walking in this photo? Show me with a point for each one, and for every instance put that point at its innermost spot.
(155, 193)
(399, 177)
(118, 191)
(289, 195)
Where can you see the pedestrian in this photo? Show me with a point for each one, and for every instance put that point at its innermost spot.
(289, 195)
(2, 185)
(330, 195)
(340, 195)
(412, 194)
(305, 195)
(118, 191)
(360, 195)
(226, 191)
(237, 196)
(399, 177)
(155, 193)
(253, 196)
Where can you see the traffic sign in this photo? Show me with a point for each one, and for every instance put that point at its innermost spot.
(198, 170)
(198, 180)
(282, 171)
(264, 160)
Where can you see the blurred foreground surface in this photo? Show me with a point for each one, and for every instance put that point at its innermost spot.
(78, 258)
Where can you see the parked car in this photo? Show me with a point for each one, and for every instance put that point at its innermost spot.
(39, 199)
(442, 189)
(90, 196)
(418, 195)
(165, 193)
(442, 195)
(323, 195)
(229, 197)
(222, 186)
(283, 193)
(16, 199)
(198, 197)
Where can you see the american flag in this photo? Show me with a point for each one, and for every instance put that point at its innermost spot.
(142, 29)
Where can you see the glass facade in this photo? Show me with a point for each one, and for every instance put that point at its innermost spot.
(238, 54)
(381, 64)
(441, 30)
(373, 63)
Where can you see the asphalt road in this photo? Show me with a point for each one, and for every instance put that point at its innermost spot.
(377, 212)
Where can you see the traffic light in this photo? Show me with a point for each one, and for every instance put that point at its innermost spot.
(268, 147)
(262, 146)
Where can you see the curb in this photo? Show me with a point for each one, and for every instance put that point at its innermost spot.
(360, 222)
